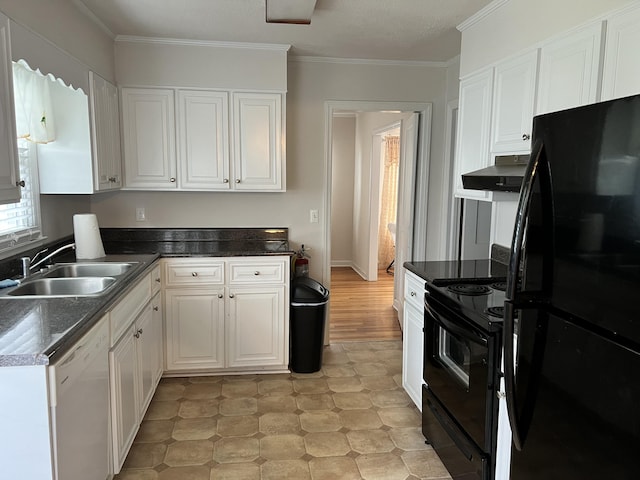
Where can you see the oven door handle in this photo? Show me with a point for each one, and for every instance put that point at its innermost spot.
(452, 327)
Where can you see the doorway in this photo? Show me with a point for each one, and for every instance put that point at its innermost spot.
(360, 212)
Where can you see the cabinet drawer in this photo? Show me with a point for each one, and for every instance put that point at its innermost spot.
(414, 290)
(125, 312)
(258, 271)
(190, 272)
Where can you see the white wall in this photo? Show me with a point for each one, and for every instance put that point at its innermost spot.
(518, 24)
(343, 155)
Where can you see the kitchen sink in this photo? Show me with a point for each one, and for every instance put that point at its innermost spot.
(111, 269)
(63, 287)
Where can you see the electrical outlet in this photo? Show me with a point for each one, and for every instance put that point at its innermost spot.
(313, 216)
(140, 214)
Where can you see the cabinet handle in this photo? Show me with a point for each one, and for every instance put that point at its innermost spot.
(256, 273)
(172, 180)
(140, 331)
(237, 180)
(220, 295)
(112, 179)
(158, 279)
(231, 295)
(226, 180)
(194, 274)
(526, 136)
(20, 183)
(155, 309)
(137, 334)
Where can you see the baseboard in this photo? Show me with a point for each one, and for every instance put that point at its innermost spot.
(341, 263)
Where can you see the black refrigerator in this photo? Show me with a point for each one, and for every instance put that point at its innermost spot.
(572, 372)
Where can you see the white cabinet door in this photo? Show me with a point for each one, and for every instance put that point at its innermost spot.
(472, 150)
(148, 127)
(148, 334)
(105, 133)
(9, 168)
(513, 101)
(123, 372)
(412, 361)
(621, 71)
(203, 138)
(258, 142)
(195, 328)
(256, 328)
(569, 68)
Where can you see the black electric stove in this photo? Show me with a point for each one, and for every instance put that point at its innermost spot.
(474, 289)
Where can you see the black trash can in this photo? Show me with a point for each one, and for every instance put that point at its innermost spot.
(308, 304)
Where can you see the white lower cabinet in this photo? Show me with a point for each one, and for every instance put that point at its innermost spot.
(226, 314)
(135, 364)
(413, 338)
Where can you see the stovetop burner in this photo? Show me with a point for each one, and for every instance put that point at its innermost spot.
(496, 312)
(469, 289)
(502, 286)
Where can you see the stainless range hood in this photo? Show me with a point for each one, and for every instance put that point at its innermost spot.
(505, 176)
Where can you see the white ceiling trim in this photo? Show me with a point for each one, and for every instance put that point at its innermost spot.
(367, 61)
(485, 12)
(202, 43)
(92, 16)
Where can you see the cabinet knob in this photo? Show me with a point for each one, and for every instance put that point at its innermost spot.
(158, 279)
(231, 295)
(20, 183)
(137, 334)
(237, 180)
(413, 294)
(256, 273)
(155, 309)
(172, 180)
(220, 295)
(226, 180)
(112, 179)
(526, 136)
(194, 274)
(140, 331)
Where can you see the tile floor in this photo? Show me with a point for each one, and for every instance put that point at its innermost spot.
(351, 420)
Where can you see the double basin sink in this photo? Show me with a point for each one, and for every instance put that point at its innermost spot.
(72, 280)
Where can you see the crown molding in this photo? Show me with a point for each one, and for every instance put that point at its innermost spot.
(366, 61)
(86, 11)
(485, 12)
(202, 43)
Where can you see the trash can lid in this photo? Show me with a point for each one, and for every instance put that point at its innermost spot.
(305, 289)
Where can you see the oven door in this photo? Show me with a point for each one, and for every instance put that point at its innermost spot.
(459, 368)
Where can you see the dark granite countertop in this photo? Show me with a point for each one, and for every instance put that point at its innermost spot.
(37, 331)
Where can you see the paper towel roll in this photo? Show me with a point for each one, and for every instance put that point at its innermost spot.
(87, 236)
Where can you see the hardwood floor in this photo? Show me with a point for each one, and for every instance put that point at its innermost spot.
(361, 310)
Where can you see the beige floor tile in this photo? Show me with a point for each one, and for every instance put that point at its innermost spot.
(408, 439)
(372, 369)
(348, 384)
(275, 387)
(236, 450)
(352, 400)
(382, 466)
(189, 452)
(236, 471)
(194, 428)
(277, 404)
(198, 408)
(240, 426)
(279, 423)
(168, 390)
(310, 385)
(379, 383)
(320, 421)
(146, 474)
(370, 441)
(386, 345)
(425, 464)
(239, 389)
(185, 473)
(317, 401)
(238, 406)
(199, 391)
(357, 346)
(390, 398)
(400, 417)
(327, 444)
(338, 371)
(334, 468)
(155, 431)
(285, 470)
(363, 356)
(145, 455)
(360, 419)
(162, 410)
(206, 379)
(282, 447)
(335, 358)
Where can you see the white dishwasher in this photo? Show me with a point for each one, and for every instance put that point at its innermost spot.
(79, 399)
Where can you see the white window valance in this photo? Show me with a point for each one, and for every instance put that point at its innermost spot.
(34, 111)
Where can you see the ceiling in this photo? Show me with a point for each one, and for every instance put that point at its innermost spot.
(404, 30)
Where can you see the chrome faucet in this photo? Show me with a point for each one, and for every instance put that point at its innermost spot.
(27, 265)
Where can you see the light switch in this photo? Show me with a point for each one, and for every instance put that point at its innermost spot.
(313, 216)
(140, 214)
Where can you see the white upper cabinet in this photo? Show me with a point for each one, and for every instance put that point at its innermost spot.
(569, 69)
(148, 128)
(474, 122)
(9, 168)
(105, 133)
(203, 140)
(218, 148)
(621, 72)
(513, 102)
(258, 155)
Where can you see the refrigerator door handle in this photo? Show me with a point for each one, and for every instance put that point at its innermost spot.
(509, 374)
